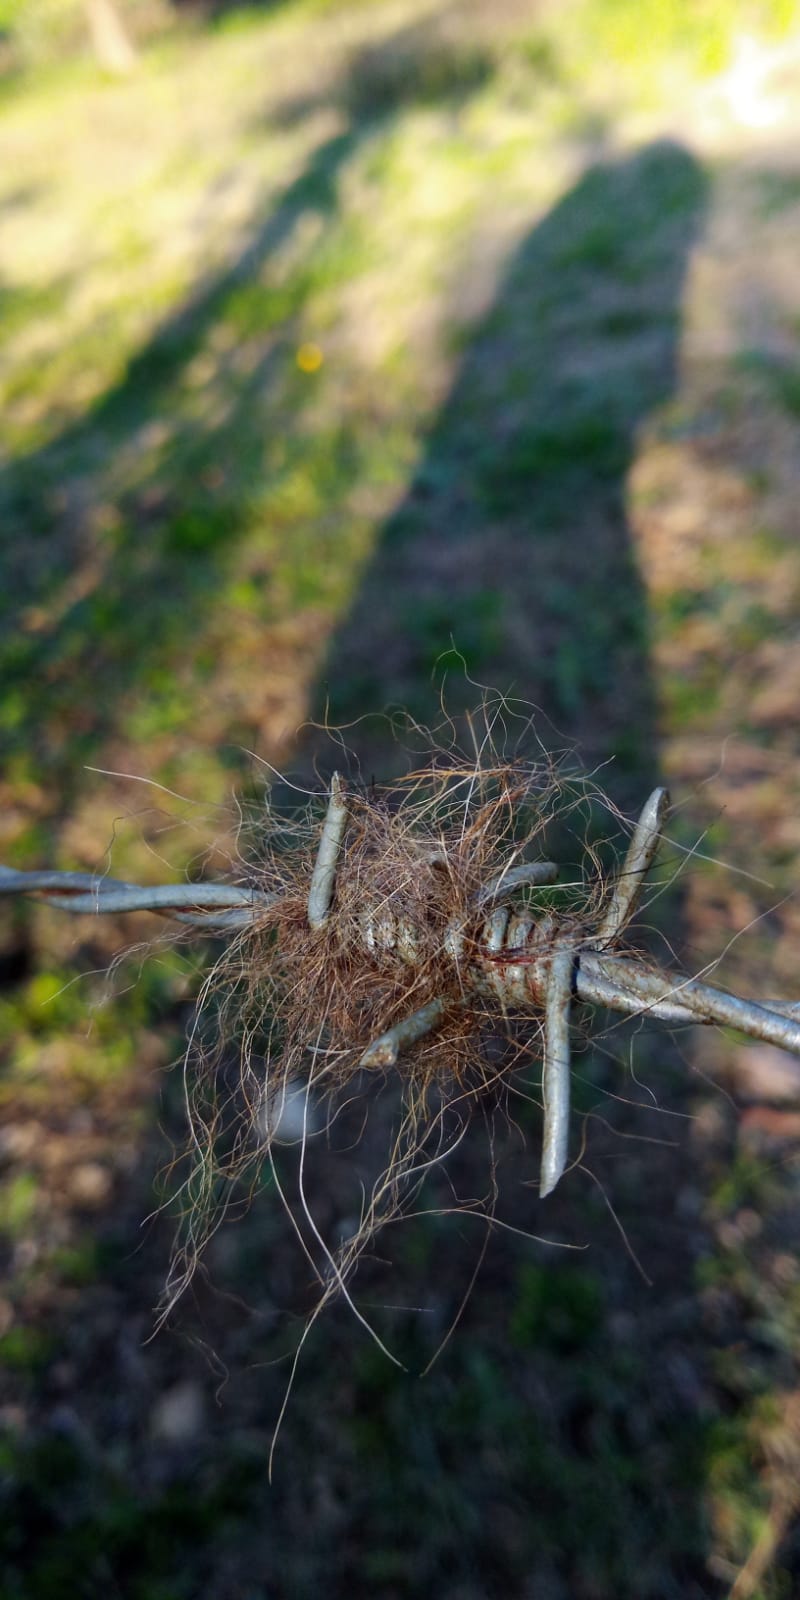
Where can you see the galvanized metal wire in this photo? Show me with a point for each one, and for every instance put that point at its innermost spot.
(513, 956)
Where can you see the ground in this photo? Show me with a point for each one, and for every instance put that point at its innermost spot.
(351, 356)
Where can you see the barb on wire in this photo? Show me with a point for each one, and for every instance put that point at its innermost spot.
(410, 926)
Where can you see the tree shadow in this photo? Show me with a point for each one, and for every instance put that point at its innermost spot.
(107, 562)
(120, 530)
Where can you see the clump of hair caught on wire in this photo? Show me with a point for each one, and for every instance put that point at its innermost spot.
(295, 1015)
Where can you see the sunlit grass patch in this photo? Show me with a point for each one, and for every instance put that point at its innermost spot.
(778, 191)
(18, 1201)
(652, 42)
(691, 699)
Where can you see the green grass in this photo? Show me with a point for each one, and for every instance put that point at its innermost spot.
(208, 537)
(780, 378)
(18, 1203)
(561, 1311)
(95, 1531)
(777, 191)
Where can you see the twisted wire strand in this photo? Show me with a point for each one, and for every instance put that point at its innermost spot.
(599, 977)
(520, 961)
(201, 905)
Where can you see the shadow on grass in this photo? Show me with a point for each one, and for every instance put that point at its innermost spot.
(118, 532)
(512, 545)
(556, 1450)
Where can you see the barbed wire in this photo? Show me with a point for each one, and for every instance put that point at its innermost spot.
(495, 949)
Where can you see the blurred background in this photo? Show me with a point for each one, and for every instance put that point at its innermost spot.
(350, 354)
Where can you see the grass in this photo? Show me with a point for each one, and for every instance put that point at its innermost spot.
(346, 351)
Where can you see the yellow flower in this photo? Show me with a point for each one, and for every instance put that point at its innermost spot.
(309, 358)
